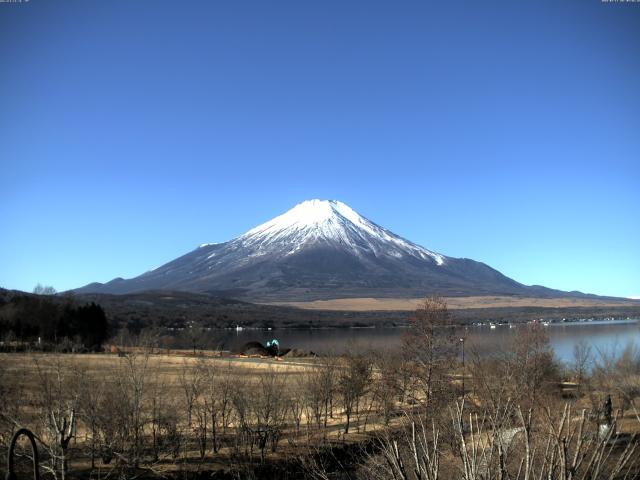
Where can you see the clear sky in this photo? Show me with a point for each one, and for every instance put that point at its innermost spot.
(507, 132)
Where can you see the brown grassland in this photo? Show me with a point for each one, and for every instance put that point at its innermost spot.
(456, 303)
(416, 413)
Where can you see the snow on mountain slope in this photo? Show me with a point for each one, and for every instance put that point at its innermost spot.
(317, 250)
(330, 221)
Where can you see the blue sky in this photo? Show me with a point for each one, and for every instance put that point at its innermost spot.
(507, 132)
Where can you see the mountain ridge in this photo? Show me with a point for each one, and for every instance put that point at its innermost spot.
(321, 249)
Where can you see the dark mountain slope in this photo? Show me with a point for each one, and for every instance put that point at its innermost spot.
(320, 250)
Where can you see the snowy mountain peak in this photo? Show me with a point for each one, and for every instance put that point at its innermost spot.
(320, 249)
(308, 214)
(331, 222)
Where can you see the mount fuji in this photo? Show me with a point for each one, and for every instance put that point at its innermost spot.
(321, 249)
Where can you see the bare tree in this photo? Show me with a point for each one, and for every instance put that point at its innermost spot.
(429, 344)
(390, 384)
(132, 382)
(488, 447)
(90, 393)
(241, 394)
(582, 359)
(12, 411)
(190, 380)
(533, 364)
(415, 455)
(617, 373)
(297, 401)
(353, 382)
(40, 289)
(319, 387)
(313, 397)
(57, 404)
(203, 421)
(163, 419)
(213, 403)
(269, 408)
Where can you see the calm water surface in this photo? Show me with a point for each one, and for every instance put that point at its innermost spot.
(603, 336)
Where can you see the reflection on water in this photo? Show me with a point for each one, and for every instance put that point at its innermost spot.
(606, 337)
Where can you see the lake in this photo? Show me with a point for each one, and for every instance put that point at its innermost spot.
(603, 336)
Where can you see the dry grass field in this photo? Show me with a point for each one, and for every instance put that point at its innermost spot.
(456, 303)
(180, 395)
(146, 414)
(21, 368)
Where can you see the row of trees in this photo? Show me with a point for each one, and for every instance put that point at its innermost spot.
(51, 320)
